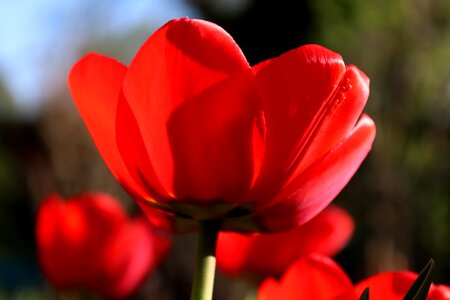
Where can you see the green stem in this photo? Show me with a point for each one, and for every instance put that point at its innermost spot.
(205, 268)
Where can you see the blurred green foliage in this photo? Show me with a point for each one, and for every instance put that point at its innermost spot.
(404, 47)
(7, 108)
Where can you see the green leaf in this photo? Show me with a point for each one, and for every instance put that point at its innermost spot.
(421, 286)
(365, 294)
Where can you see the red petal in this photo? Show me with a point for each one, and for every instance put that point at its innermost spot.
(233, 251)
(328, 232)
(314, 278)
(296, 88)
(60, 233)
(387, 286)
(77, 228)
(318, 185)
(210, 138)
(89, 242)
(95, 83)
(348, 103)
(270, 289)
(325, 234)
(395, 285)
(439, 292)
(131, 254)
(132, 149)
(177, 63)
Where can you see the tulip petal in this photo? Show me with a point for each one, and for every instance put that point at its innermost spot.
(297, 88)
(75, 229)
(348, 103)
(176, 64)
(390, 285)
(95, 83)
(132, 149)
(325, 234)
(89, 242)
(210, 137)
(311, 191)
(103, 216)
(328, 232)
(313, 278)
(60, 233)
(395, 285)
(233, 250)
(131, 254)
(439, 292)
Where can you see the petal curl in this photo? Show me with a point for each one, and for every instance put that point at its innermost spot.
(296, 89)
(311, 191)
(341, 117)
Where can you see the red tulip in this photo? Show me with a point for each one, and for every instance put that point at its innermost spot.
(326, 234)
(312, 278)
(89, 242)
(319, 278)
(194, 133)
(394, 286)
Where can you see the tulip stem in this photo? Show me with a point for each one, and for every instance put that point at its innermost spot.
(205, 268)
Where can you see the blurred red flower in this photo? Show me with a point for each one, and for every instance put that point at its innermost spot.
(89, 242)
(320, 278)
(271, 254)
(194, 133)
(394, 285)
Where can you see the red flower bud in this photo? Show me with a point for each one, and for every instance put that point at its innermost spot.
(89, 242)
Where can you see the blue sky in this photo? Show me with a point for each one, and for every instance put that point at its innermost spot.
(37, 33)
